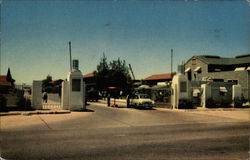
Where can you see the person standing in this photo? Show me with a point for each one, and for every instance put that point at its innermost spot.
(45, 97)
(108, 100)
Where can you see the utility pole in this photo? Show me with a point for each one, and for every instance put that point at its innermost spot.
(131, 71)
(171, 62)
(70, 59)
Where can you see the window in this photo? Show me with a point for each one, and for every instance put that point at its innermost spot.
(183, 86)
(189, 74)
(234, 81)
(223, 91)
(197, 69)
(76, 85)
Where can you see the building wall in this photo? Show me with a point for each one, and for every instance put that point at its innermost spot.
(193, 66)
(242, 77)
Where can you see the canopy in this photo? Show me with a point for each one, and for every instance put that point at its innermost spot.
(188, 69)
(223, 89)
(197, 69)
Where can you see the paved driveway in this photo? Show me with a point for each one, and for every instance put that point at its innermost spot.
(122, 133)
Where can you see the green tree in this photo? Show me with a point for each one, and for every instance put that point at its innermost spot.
(45, 84)
(112, 74)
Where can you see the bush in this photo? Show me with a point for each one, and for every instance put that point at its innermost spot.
(23, 103)
(185, 104)
(210, 103)
(225, 102)
(3, 102)
(238, 102)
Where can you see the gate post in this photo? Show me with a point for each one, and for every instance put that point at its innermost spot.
(206, 94)
(37, 95)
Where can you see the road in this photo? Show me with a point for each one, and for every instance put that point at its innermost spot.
(124, 133)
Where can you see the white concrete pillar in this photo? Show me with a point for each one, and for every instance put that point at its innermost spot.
(236, 92)
(65, 95)
(180, 87)
(76, 90)
(37, 95)
(206, 94)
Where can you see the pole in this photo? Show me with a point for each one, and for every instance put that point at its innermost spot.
(70, 60)
(171, 62)
(131, 71)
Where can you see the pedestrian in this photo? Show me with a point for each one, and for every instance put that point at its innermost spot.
(128, 101)
(45, 97)
(108, 100)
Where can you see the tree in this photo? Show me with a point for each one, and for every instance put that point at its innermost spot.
(115, 74)
(45, 84)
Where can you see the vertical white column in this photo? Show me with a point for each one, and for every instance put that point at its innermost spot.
(236, 92)
(206, 94)
(37, 95)
(65, 95)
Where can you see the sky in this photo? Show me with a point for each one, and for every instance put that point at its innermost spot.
(35, 34)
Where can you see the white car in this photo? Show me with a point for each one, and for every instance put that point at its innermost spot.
(141, 100)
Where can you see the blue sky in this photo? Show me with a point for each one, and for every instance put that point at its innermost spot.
(35, 35)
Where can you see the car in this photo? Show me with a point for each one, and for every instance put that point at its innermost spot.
(141, 101)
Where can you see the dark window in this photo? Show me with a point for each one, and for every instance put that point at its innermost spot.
(199, 71)
(222, 93)
(183, 86)
(218, 80)
(234, 81)
(76, 84)
(189, 75)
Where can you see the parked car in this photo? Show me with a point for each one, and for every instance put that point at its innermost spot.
(141, 101)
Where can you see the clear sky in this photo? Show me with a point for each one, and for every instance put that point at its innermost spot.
(35, 35)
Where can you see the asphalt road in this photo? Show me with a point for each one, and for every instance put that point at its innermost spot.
(122, 133)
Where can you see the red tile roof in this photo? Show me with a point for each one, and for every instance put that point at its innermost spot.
(89, 75)
(165, 76)
(3, 81)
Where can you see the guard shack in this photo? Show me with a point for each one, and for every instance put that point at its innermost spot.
(180, 89)
(73, 90)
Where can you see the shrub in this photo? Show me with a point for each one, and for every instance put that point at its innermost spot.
(185, 104)
(23, 103)
(225, 102)
(210, 103)
(238, 102)
(3, 102)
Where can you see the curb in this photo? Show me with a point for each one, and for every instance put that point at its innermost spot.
(33, 113)
(202, 110)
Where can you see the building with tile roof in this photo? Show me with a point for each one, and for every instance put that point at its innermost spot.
(157, 78)
(6, 82)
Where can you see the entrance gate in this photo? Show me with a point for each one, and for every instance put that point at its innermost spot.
(54, 101)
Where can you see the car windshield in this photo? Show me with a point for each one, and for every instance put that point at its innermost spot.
(143, 96)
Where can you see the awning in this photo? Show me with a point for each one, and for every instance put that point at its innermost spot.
(144, 87)
(197, 69)
(188, 69)
(196, 92)
(223, 89)
(114, 88)
(240, 69)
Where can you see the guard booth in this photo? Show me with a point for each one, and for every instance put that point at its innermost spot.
(180, 90)
(73, 90)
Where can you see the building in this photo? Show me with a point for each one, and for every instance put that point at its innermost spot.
(158, 78)
(90, 81)
(220, 69)
(6, 82)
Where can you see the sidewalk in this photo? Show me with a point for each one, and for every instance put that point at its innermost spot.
(26, 113)
(242, 114)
